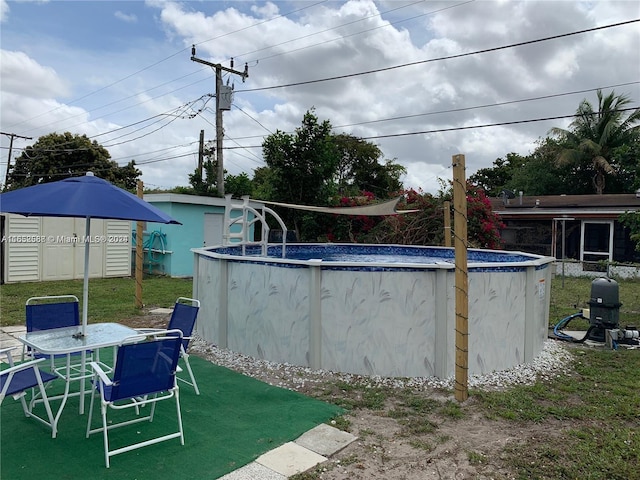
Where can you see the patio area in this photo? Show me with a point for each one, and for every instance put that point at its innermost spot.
(238, 428)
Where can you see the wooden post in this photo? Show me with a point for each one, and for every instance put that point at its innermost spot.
(139, 253)
(201, 154)
(447, 223)
(461, 386)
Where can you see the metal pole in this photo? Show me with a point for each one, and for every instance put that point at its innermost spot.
(563, 246)
(139, 252)
(564, 222)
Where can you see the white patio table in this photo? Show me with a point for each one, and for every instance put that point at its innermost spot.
(69, 340)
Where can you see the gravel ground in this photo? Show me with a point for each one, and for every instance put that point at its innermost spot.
(550, 362)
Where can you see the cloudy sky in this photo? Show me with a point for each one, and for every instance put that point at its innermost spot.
(424, 80)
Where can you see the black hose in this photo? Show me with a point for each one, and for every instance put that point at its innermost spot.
(589, 330)
(562, 324)
(568, 338)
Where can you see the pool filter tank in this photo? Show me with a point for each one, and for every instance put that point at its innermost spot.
(604, 308)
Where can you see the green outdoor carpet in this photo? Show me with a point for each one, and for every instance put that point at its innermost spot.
(233, 421)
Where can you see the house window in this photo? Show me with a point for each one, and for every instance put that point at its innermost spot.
(596, 241)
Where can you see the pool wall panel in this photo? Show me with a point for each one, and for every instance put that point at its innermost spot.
(383, 322)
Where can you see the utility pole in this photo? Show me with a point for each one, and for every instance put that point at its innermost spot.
(201, 154)
(219, 131)
(12, 135)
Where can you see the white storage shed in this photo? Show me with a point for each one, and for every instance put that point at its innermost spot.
(52, 248)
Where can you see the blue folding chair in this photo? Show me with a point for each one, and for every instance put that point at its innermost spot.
(55, 311)
(144, 373)
(183, 318)
(45, 313)
(16, 380)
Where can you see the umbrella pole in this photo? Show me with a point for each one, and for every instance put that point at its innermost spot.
(85, 286)
(85, 306)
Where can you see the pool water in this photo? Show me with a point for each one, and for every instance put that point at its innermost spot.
(380, 254)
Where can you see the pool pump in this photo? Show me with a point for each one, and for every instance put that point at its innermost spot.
(604, 308)
(603, 316)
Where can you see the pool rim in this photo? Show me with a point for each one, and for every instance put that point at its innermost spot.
(539, 261)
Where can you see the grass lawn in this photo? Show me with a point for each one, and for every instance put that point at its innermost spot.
(110, 299)
(591, 415)
(575, 296)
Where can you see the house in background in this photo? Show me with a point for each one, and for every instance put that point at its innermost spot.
(581, 228)
(167, 248)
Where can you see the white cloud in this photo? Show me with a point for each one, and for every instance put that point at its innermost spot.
(24, 76)
(4, 10)
(128, 18)
(152, 76)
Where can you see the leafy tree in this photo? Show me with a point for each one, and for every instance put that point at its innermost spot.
(263, 178)
(540, 174)
(425, 227)
(302, 164)
(626, 158)
(495, 179)
(205, 183)
(631, 220)
(594, 136)
(316, 167)
(359, 168)
(56, 156)
(238, 185)
(351, 228)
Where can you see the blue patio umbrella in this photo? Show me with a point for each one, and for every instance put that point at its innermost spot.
(81, 197)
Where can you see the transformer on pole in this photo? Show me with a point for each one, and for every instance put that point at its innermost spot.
(223, 102)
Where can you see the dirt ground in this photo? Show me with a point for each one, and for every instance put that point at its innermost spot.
(381, 453)
(468, 447)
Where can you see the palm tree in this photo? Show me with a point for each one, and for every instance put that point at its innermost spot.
(594, 135)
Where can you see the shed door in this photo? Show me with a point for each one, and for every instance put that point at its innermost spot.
(58, 252)
(22, 249)
(63, 253)
(213, 226)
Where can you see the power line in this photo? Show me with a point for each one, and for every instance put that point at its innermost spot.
(405, 134)
(319, 32)
(252, 118)
(215, 38)
(342, 37)
(261, 22)
(462, 109)
(438, 59)
(179, 52)
(453, 129)
(541, 97)
(488, 105)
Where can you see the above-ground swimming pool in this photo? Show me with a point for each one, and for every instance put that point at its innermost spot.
(384, 310)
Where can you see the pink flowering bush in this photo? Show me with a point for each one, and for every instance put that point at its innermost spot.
(424, 227)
